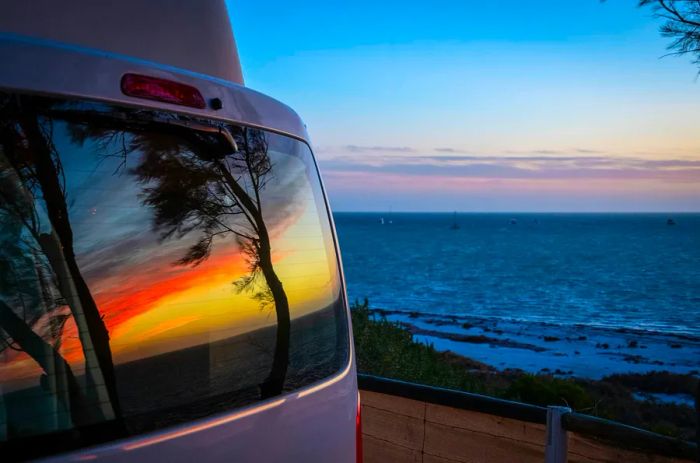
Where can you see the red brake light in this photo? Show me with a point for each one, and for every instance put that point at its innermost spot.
(154, 88)
(358, 432)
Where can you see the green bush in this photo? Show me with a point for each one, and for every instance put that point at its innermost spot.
(387, 349)
(546, 390)
(384, 348)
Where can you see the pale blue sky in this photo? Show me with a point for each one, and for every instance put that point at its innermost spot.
(452, 105)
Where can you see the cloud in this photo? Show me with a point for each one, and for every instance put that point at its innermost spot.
(557, 152)
(359, 149)
(364, 149)
(520, 167)
(673, 163)
(488, 158)
(540, 151)
(547, 152)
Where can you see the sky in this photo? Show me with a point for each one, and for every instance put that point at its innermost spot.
(482, 106)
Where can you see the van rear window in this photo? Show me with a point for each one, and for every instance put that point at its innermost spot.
(154, 269)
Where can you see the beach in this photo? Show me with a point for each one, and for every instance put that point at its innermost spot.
(567, 351)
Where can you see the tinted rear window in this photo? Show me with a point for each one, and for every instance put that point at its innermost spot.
(155, 269)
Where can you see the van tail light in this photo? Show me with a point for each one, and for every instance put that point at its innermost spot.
(167, 91)
(358, 432)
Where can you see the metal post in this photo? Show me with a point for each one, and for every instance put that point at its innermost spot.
(697, 419)
(557, 438)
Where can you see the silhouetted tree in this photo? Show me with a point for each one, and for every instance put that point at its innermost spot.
(215, 190)
(209, 181)
(27, 145)
(60, 376)
(681, 23)
(22, 281)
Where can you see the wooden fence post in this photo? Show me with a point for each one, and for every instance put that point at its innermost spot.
(555, 451)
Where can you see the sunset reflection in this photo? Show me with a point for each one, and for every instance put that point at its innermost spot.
(194, 245)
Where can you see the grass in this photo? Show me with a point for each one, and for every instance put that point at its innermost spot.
(386, 349)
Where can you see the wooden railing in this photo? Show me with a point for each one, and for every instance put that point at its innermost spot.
(406, 422)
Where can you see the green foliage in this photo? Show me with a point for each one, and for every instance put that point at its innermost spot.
(386, 349)
(658, 381)
(547, 390)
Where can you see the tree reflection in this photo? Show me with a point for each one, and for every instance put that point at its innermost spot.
(208, 181)
(24, 285)
(208, 190)
(201, 184)
(32, 159)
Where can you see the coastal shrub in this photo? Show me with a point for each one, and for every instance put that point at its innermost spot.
(384, 348)
(387, 349)
(547, 390)
(658, 381)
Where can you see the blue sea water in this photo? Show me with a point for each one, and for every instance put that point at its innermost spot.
(614, 270)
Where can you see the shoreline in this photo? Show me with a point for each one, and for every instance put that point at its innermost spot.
(566, 351)
(442, 318)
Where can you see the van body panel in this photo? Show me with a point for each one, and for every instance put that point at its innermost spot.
(316, 423)
(49, 67)
(191, 34)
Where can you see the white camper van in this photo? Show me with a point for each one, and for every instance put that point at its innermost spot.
(170, 283)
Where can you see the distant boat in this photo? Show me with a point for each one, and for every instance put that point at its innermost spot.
(455, 225)
(670, 222)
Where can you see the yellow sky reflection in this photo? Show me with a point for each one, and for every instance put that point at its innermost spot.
(211, 309)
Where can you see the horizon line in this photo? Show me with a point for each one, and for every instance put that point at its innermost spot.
(509, 212)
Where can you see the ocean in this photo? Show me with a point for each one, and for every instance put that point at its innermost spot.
(613, 270)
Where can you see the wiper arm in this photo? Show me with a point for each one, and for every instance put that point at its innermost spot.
(138, 119)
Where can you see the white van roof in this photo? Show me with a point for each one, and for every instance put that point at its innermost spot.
(82, 48)
(188, 34)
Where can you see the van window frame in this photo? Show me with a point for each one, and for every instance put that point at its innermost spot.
(109, 431)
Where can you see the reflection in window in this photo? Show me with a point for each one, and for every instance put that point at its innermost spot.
(156, 269)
